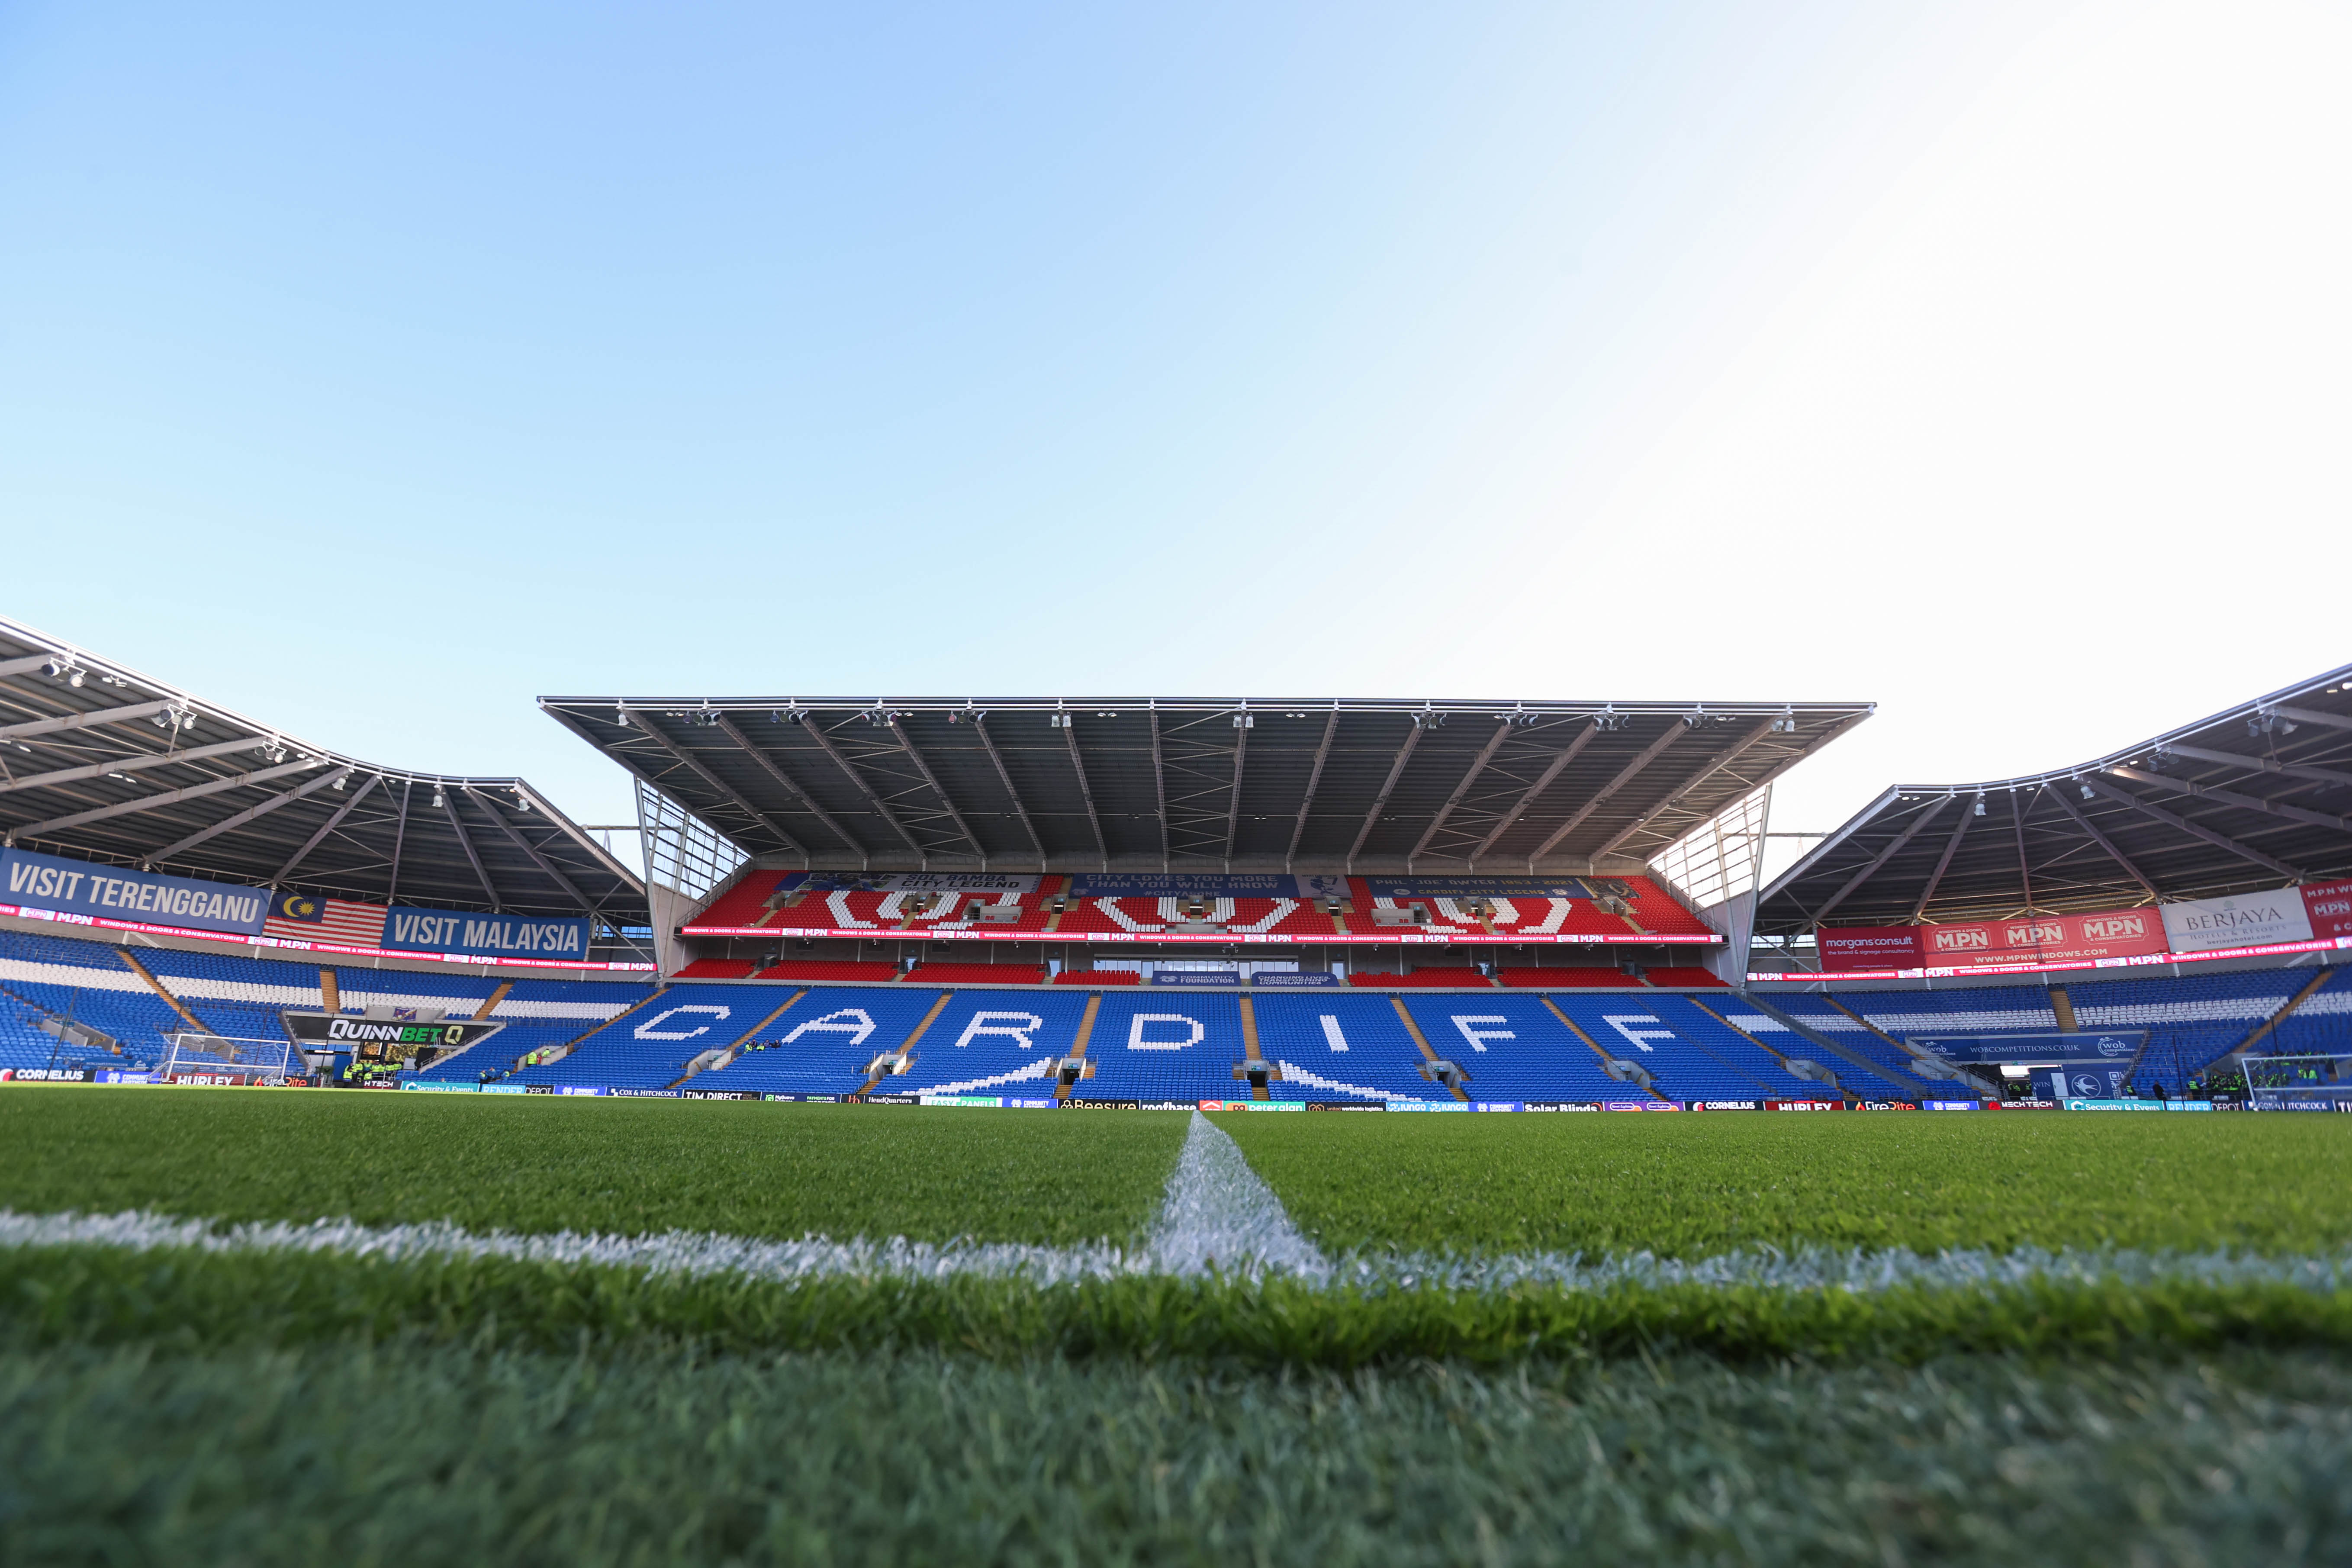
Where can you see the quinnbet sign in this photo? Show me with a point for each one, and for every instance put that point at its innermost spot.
(382, 1040)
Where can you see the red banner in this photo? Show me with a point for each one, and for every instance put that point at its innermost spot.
(2029, 938)
(2330, 906)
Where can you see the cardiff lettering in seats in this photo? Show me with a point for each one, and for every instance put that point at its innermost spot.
(1624, 1024)
(855, 1022)
(651, 1030)
(1135, 1031)
(1478, 1038)
(1017, 1027)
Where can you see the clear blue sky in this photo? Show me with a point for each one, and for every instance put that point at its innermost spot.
(373, 371)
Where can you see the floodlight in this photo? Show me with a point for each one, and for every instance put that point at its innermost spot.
(1981, 806)
(2090, 793)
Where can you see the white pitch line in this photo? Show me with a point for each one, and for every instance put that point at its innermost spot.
(1218, 1215)
(1248, 1245)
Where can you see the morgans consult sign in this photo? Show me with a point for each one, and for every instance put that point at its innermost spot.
(497, 936)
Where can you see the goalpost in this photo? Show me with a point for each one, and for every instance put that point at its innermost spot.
(225, 1058)
(2316, 1081)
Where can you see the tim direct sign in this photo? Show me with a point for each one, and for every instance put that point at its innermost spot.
(2029, 938)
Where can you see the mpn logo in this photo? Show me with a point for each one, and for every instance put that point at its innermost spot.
(2107, 928)
(1953, 940)
(2039, 933)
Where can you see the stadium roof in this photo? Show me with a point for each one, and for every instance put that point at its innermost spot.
(1068, 783)
(101, 763)
(2256, 795)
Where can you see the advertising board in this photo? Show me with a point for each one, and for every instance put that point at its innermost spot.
(1205, 885)
(110, 892)
(370, 1040)
(447, 932)
(1478, 888)
(2107, 933)
(2329, 907)
(2201, 925)
(906, 883)
(2049, 1047)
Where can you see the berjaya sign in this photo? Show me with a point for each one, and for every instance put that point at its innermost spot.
(2203, 924)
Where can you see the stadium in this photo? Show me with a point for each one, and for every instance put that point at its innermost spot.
(1172, 786)
(859, 939)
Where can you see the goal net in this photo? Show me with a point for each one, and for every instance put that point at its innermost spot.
(2315, 1082)
(227, 1059)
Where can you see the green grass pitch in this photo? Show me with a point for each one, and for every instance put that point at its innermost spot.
(288, 1406)
(1694, 1185)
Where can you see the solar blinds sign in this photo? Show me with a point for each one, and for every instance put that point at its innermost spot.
(110, 893)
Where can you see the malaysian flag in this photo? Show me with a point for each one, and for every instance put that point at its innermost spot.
(301, 917)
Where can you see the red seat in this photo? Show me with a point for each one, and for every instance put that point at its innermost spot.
(1563, 979)
(1680, 978)
(1099, 977)
(827, 969)
(977, 975)
(1421, 979)
(716, 968)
